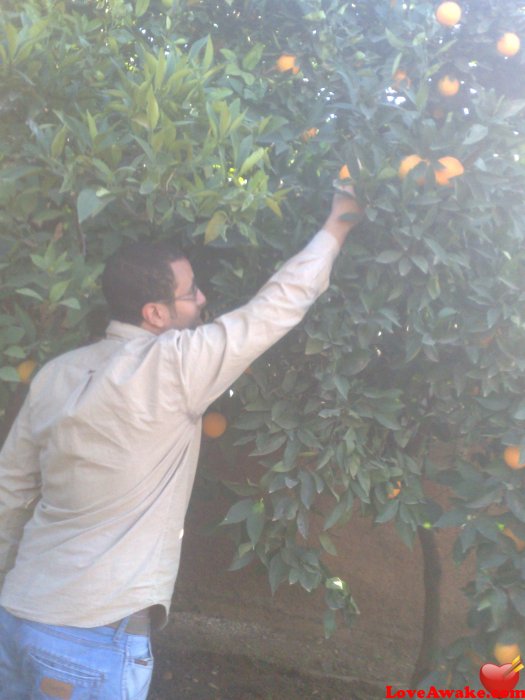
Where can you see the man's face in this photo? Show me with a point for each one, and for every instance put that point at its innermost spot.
(188, 301)
(183, 310)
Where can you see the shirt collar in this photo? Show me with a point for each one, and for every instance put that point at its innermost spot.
(125, 331)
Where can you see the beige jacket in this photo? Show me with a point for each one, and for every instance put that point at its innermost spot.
(97, 471)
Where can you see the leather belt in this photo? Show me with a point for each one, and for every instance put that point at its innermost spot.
(138, 623)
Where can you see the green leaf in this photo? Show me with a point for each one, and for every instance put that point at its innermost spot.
(160, 70)
(57, 291)
(252, 58)
(307, 490)
(140, 7)
(283, 467)
(266, 444)
(16, 352)
(255, 522)
(241, 489)
(240, 562)
(387, 421)
(335, 516)
(12, 39)
(327, 544)
(215, 227)
(92, 126)
(208, 54)
(389, 256)
(314, 346)
(284, 414)
(9, 374)
(274, 206)
(89, 204)
(388, 512)
(152, 110)
(252, 161)
(519, 413)
(475, 134)
(71, 303)
(26, 292)
(517, 597)
(394, 41)
(516, 503)
(422, 95)
(58, 143)
(238, 512)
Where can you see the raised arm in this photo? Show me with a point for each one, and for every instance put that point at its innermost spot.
(214, 355)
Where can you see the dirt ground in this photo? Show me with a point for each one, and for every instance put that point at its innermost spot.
(229, 639)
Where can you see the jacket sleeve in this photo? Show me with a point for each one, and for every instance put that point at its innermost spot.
(19, 487)
(214, 355)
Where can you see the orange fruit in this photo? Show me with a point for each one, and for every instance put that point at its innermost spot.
(452, 168)
(448, 14)
(344, 173)
(520, 544)
(509, 44)
(486, 340)
(287, 62)
(309, 134)
(214, 424)
(511, 457)
(505, 653)
(448, 86)
(25, 369)
(409, 163)
(401, 79)
(396, 490)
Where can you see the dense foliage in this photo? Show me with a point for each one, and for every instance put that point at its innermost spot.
(165, 118)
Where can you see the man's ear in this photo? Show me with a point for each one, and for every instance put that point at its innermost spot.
(154, 315)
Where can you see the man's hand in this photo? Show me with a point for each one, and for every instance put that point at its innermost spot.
(346, 212)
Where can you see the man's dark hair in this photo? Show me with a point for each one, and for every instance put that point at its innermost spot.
(138, 273)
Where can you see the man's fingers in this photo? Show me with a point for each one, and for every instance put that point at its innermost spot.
(343, 189)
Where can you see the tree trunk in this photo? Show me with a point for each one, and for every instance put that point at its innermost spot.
(429, 648)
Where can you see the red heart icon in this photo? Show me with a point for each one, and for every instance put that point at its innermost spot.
(499, 680)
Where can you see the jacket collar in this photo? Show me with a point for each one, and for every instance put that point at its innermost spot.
(125, 331)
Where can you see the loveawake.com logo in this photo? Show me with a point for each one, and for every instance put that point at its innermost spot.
(499, 682)
(466, 692)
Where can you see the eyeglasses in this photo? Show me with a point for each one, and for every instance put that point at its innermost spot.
(191, 296)
(187, 297)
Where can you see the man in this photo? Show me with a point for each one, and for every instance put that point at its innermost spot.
(97, 471)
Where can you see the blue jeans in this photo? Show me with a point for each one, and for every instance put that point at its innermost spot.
(46, 662)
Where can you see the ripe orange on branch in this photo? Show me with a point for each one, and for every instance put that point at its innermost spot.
(509, 44)
(287, 62)
(409, 163)
(344, 173)
(452, 167)
(214, 424)
(448, 86)
(309, 134)
(506, 653)
(448, 14)
(25, 369)
(401, 79)
(396, 490)
(511, 457)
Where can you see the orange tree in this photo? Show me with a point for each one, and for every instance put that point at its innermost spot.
(223, 124)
